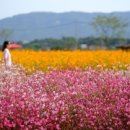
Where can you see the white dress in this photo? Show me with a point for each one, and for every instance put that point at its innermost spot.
(7, 58)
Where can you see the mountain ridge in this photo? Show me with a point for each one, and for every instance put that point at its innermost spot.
(40, 25)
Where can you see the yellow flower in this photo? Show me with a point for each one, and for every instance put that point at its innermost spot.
(44, 60)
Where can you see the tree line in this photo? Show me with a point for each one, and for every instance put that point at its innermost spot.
(110, 32)
(70, 43)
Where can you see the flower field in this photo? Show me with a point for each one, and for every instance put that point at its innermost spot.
(78, 90)
(43, 60)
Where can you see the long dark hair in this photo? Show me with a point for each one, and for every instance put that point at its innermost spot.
(5, 44)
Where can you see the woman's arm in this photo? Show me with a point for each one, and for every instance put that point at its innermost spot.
(5, 56)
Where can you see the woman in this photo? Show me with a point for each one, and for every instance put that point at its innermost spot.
(6, 55)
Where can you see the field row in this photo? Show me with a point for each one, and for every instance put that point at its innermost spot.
(45, 60)
(65, 100)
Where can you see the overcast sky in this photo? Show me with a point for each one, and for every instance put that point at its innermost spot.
(12, 7)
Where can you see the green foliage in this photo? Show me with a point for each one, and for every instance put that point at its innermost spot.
(109, 27)
(66, 43)
(72, 43)
(5, 33)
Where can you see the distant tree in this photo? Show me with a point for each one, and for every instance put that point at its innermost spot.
(5, 33)
(65, 43)
(69, 43)
(109, 27)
